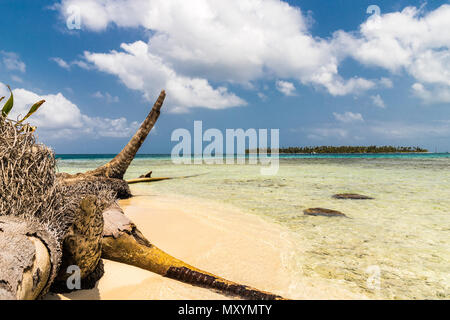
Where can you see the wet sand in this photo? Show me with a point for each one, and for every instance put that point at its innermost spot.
(214, 237)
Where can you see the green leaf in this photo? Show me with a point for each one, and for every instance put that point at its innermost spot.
(33, 109)
(8, 105)
(1, 98)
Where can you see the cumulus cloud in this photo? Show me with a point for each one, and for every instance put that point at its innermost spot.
(411, 40)
(248, 40)
(138, 69)
(285, 87)
(436, 94)
(12, 61)
(348, 117)
(245, 41)
(378, 101)
(61, 118)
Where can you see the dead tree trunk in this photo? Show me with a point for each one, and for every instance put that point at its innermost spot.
(28, 261)
(48, 222)
(123, 242)
(111, 173)
(117, 167)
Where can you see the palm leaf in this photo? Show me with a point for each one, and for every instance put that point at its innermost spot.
(33, 109)
(8, 105)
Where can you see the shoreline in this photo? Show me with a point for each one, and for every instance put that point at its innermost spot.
(212, 236)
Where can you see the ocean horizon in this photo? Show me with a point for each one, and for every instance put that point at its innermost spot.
(90, 156)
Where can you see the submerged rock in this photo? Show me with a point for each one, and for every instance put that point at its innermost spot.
(323, 212)
(351, 196)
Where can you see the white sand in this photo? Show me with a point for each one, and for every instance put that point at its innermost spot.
(214, 237)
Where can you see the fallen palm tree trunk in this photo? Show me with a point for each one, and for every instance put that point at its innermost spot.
(41, 218)
(50, 221)
(25, 261)
(123, 242)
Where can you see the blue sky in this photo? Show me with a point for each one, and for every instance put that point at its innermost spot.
(323, 72)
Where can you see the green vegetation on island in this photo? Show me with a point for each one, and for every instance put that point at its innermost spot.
(346, 149)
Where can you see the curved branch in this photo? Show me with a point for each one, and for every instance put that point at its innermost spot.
(117, 167)
(123, 242)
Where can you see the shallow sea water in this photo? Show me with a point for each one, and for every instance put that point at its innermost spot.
(396, 246)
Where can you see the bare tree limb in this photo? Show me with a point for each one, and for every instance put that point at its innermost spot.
(123, 242)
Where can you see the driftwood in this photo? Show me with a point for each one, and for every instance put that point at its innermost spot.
(25, 262)
(148, 179)
(147, 175)
(51, 221)
(123, 242)
(139, 180)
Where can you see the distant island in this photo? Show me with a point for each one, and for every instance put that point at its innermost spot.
(346, 149)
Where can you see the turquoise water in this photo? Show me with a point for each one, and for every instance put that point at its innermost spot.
(282, 156)
(401, 238)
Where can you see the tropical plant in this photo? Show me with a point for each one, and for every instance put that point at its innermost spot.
(9, 104)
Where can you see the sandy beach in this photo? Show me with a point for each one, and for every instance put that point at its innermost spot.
(210, 235)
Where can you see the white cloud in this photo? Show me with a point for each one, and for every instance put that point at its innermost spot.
(11, 61)
(386, 82)
(378, 101)
(60, 62)
(106, 127)
(262, 96)
(348, 117)
(245, 41)
(399, 130)
(140, 70)
(380, 132)
(322, 133)
(107, 96)
(60, 118)
(81, 64)
(411, 40)
(437, 94)
(285, 87)
(98, 95)
(249, 40)
(68, 65)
